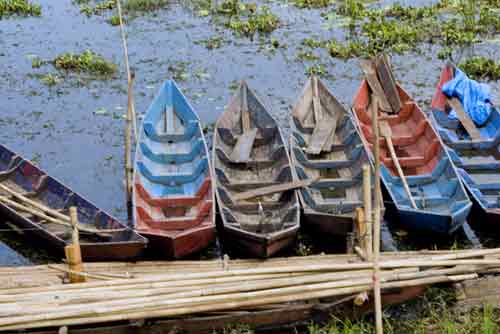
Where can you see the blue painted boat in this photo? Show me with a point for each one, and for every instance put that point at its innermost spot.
(329, 204)
(102, 237)
(249, 153)
(442, 204)
(477, 160)
(173, 200)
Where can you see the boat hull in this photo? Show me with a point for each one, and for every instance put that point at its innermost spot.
(327, 223)
(180, 246)
(256, 246)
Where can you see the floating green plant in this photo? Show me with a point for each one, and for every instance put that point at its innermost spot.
(143, 5)
(98, 8)
(261, 20)
(114, 20)
(212, 43)
(19, 7)
(50, 79)
(88, 62)
(317, 69)
(313, 3)
(481, 67)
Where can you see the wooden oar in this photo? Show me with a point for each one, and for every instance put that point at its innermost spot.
(386, 132)
(464, 118)
(274, 189)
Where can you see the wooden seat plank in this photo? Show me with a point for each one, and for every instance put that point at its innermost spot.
(464, 118)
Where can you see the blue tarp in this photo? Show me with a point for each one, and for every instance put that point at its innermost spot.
(475, 97)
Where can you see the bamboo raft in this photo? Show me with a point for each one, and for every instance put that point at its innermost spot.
(121, 292)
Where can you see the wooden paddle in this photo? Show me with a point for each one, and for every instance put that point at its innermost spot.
(464, 118)
(386, 132)
(243, 148)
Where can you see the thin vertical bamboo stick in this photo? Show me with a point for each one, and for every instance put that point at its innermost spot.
(367, 204)
(376, 218)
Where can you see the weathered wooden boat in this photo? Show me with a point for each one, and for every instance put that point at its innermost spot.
(39, 205)
(250, 154)
(325, 145)
(477, 156)
(173, 200)
(438, 201)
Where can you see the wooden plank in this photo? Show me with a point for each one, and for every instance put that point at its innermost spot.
(464, 118)
(386, 132)
(374, 83)
(245, 115)
(320, 136)
(273, 189)
(388, 83)
(243, 148)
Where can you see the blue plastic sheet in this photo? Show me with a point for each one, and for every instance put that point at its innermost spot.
(475, 97)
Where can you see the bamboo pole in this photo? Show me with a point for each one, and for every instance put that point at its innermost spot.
(367, 205)
(131, 122)
(376, 218)
(216, 303)
(73, 252)
(50, 219)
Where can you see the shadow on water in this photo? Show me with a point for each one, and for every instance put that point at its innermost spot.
(74, 129)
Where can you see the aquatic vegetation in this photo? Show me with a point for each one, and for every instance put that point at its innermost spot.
(178, 70)
(143, 5)
(19, 7)
(312, 43)
(307, 55)
(312, 3)
(212, 43)
(261, 20)
(351, 49)
(317, 69)
(50, 79)
(481, 67)
(88, 62)
(98, 8)
(114, 20)
(36, 62)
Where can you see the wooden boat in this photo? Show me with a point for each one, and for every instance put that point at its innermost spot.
(173, 200)
(39, 205)
(477, 157)
(329, 204)
(250, 154)
(438, 201)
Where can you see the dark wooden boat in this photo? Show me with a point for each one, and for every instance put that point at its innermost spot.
(34, 201)
(173, 201)
(329, 204)
(441, 203)
(477, 159)
(250, 153)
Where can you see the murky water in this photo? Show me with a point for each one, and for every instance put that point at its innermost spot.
(59, 127)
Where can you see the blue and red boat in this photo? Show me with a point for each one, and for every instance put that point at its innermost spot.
(173, 200)
(477, 159)
(441, 202)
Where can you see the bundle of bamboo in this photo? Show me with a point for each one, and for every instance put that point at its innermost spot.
(205, 287)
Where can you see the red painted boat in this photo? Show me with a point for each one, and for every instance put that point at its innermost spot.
(442, 204)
